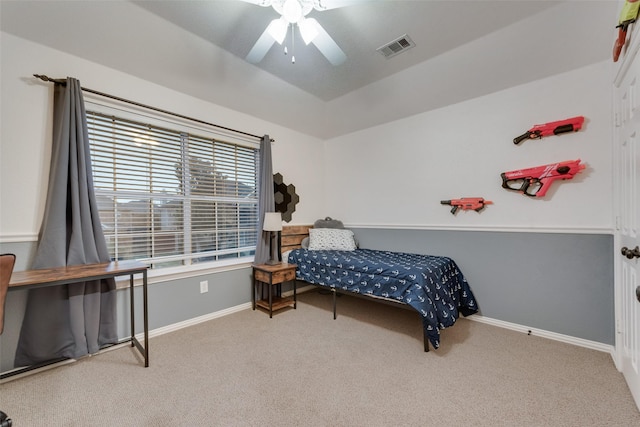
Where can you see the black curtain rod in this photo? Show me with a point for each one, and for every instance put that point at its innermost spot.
(64, 82)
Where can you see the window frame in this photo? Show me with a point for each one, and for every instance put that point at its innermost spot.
(146, 116)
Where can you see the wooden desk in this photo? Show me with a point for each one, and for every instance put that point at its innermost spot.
(32, 279)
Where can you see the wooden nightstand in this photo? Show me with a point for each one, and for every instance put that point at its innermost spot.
(273, 275)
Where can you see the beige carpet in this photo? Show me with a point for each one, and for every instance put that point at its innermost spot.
(302, 368)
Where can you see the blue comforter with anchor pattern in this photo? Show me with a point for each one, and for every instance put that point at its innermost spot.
(433, 285)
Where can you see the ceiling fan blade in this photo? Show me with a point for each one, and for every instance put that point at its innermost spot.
(327, 46)
(333, 4)
(260, 49)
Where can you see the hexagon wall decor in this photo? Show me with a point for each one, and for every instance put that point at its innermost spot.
(285, 196)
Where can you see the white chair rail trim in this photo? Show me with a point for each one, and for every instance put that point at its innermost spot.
(488, 228)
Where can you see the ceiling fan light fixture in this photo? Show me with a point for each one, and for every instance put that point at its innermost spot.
(308, 29)
(278, 29)
(292, 11)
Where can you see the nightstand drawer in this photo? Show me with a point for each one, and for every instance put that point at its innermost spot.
(262, 276)
(274, 277)
(284, 276)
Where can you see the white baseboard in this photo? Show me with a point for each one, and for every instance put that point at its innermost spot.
(580, 342)
(211, 316)
(196, 320)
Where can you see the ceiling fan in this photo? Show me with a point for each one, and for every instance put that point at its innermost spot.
(293, 15)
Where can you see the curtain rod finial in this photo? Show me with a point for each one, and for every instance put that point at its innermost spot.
(45, 78)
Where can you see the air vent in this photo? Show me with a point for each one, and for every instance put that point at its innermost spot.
(397, 46)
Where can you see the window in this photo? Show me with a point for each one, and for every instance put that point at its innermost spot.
(171, 197)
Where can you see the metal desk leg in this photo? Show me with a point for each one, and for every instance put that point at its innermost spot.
(132, 311)
(144, 350)
(146, 318)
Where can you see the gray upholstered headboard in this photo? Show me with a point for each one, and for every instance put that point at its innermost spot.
(328, 222)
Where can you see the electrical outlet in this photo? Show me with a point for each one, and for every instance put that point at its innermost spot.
(204, 286)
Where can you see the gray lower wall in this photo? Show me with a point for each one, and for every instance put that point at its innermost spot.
(557, 282)
(562, 283)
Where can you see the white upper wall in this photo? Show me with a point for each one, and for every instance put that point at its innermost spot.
(396, 174)
(25, 131)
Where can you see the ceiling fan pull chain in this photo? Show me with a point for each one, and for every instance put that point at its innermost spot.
(284, 43)
(293, 45)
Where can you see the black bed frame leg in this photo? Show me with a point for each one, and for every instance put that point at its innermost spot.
(333, 291)
(426, 340)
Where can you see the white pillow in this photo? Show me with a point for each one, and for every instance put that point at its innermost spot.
(331, 239)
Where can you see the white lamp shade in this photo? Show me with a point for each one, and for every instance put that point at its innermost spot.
(272, 221)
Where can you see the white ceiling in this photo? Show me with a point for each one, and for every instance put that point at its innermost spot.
(464, 49)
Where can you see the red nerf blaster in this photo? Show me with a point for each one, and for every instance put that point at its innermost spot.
(554, 128)
(466, 203)
(534, 182)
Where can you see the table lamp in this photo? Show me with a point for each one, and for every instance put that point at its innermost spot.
(272, 222)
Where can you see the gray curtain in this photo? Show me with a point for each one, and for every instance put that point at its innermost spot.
(78, 319)
(266, 201)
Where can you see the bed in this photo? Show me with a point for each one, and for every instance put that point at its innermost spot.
(432, 286)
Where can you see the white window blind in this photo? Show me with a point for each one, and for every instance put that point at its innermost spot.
(170, 197)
